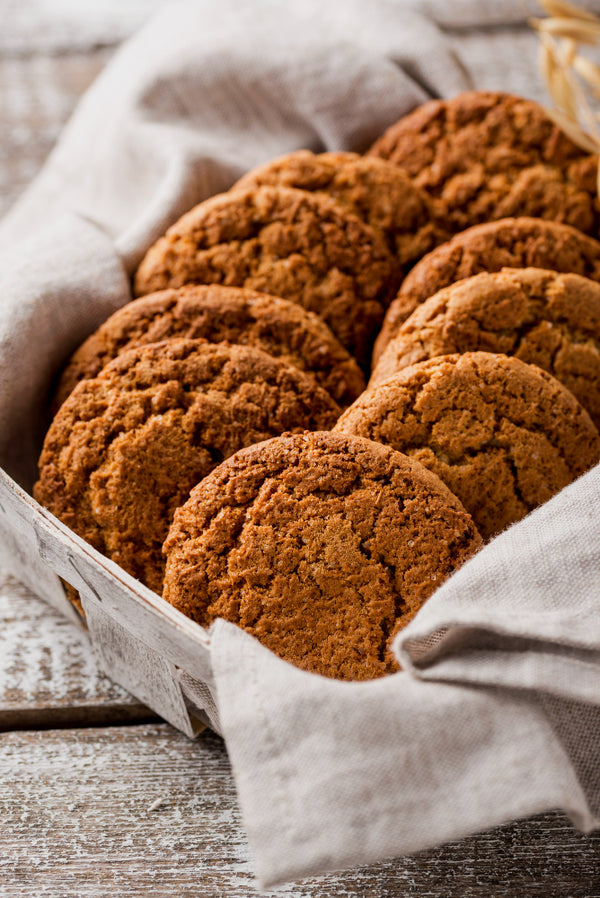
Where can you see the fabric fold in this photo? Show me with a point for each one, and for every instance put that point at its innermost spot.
(524, 608)
(496, 714)
(460, 14)
(55, 287)
(331, 774)
(197, 97)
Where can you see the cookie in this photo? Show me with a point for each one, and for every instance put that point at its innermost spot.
(127, 446)
(377, 191)
(510, 243)
(214, 313)
(320, 545)
(503, 435)
(298, 245)
(547, 319)
(484, 155)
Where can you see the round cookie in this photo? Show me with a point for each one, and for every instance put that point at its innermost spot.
(503, 435)
(321, 545)
(544, 318)
(377, 191)
(215, 313)
(127, 446)
(301, 246)
(509, 243)
(484, 155)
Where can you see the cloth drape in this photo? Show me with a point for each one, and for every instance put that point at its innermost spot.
(496, 713)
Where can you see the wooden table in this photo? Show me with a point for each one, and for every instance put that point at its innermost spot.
(97, 796)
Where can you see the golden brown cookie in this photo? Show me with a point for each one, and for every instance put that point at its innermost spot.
(298, 245)
(215, 313)
(503, 435)
(377, 191)
(127, 446)
(485, 155)
(321, 545)
(510, 243)
(547, 319)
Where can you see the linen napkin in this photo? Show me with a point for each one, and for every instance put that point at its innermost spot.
(495, 715)
(497, 711)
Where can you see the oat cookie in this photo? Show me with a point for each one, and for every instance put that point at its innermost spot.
(510, 243)
(547, 319)
(376, 190)
(127, 446)
(484, 155)
(298, 245)
(215, 313)
(320, 545)
(503, 435)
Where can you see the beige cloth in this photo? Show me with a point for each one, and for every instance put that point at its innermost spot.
(497, 713)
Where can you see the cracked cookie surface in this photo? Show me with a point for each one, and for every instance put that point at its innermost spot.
(215, 313)
(542, 317)
(320, 545)
(509, 243)
(127, 446)
(291, 243)
(484, 155)
(503, 435)
(379, 192)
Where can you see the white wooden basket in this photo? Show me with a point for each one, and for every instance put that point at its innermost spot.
(143, 643)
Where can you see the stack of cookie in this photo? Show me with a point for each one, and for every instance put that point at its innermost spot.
(502, 434)
(215, 437)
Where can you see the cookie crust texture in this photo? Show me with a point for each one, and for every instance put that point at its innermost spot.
(320, 545)
(503, 435)
(127, 446)
(542, 317)
(376, 190)
(486, 155)
(215, 313)
(510, 243)
(291, 243)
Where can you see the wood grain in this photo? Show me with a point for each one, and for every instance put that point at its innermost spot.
(46, 27)
(37, 95)
(48, 674)
(142, 810)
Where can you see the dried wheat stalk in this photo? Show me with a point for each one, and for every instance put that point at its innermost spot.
(569, 76)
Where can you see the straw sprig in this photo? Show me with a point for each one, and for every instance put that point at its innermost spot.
(572, 79)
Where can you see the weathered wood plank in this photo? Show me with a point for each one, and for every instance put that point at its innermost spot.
(46, 28)
(37, 95)
(49, 55)
(142, 810)
(48, 674)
